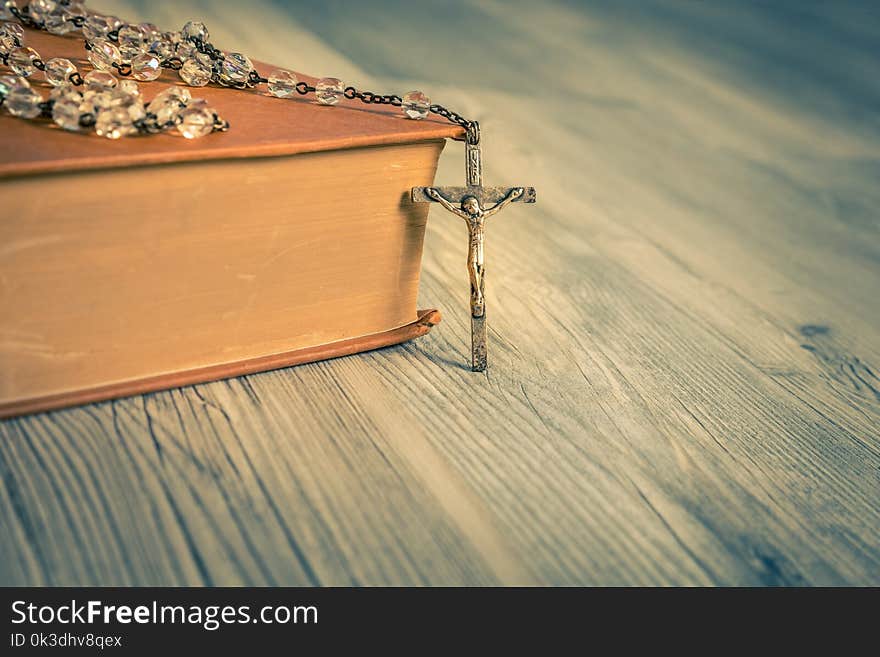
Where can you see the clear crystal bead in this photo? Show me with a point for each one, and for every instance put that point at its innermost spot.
(11, 36)
(194, 73)
(6, 10)
(96, 27)
(150, 31)
(115, 22)
(103, 54)
(65, 113)
(58, 70)
(236, 68)
(162, 48)
(146, 67)
(196, 121)
(130, 87)
(22, 101)
(74, 10)
(65, 90)
(94, 101)
(129, 102)
(114, 123)
(128, 53)
(184, 50)
(119, 98)
(328, 91)
(21, 60)
(136, 109)
(131, 36)
(178, 95)
(56, 22)
(173, 37)
(416, 105)
(168, 103)
(166, 115)
(195, 31)
(99, 80)
(282, 84)
(8, 82)
(39, 10)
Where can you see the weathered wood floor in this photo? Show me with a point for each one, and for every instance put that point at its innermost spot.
(685, 382)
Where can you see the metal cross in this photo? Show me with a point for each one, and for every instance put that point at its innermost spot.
(471, 206)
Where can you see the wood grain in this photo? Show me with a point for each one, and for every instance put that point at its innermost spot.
(685, 335)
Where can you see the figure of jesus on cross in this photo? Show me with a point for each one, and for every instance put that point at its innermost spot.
(469, 203)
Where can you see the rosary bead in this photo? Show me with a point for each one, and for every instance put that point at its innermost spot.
(416, 105)
(21, 60)
(58, 70)
(185, 50)
(65, 113)
(129, 87)
(131, 36)
(11, 36)
(196, 121)
(65, 90)
(96, 27)
(173, 94)
(56, 22)
(328, 91)
(236, 68)
(195, 73)
(94, 101)
(23, 102)
(128, 53)
(146, 67)
(100, 80)
(136, 109)
(74, 10)
(178, 95)
(114, 123)
(103, 54)
(131, 103)
(168, 103)
(115, 23)
(8, 82)
(162, 48)
(150, 31)
(139, 51)
(6, 10)
(166, 115)
(282, 84)
(39, 10)
(195, 31)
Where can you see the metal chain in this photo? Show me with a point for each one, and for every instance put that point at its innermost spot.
(147, 125)
(351, 93)
(175, 63)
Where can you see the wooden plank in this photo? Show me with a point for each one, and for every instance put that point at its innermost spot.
(684, 338)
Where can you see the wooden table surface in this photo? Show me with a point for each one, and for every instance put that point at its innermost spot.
(685, 330)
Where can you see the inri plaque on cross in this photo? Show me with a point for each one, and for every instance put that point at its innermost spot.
(469, 203)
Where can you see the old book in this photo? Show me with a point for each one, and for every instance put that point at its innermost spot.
(152, 262)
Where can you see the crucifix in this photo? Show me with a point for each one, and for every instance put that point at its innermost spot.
(469, 203)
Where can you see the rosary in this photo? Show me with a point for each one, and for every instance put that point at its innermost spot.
(114, 108)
